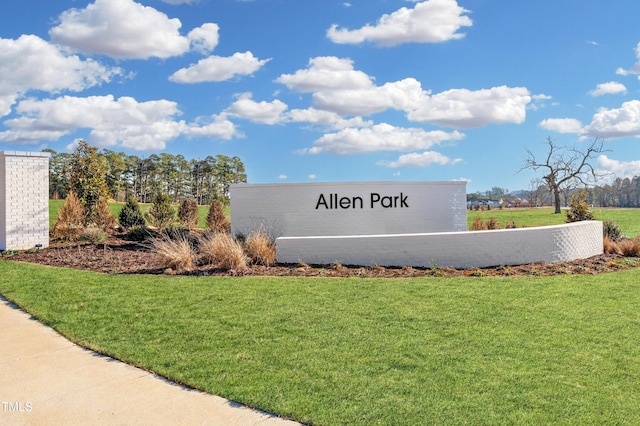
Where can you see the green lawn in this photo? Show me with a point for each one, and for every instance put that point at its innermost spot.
(627, 219)
(529, 350)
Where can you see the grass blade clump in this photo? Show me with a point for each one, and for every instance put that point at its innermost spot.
(175, 251)
(221, 250)
(260, 248)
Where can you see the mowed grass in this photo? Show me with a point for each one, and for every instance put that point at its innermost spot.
(115, 208)
(627, 219)
(529, 350)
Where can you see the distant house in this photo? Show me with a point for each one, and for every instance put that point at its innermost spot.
(482, 204)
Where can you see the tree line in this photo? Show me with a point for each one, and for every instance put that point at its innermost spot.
(204, 180)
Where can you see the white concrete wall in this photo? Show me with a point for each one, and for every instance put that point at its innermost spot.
(461, 250)
(24, 200)
(366, 208)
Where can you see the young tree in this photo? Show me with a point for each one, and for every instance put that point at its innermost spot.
(86, 179)
(564, 165)
(131, 215)
(217, 220)
(188, 213)
(161, 214)
(70, 221)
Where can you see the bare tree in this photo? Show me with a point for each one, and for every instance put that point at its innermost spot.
(565, 165)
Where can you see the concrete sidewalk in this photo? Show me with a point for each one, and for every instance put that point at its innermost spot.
(47, 380)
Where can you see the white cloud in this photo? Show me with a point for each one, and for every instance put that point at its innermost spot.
(620, 169)
(283, 177)
(616, 123)
(258, 112)
(609, 88)
(380, 137)
(124, 122)
(218, 68)
(635, 69)
(403, 95)
(204, 38)
(179, 1)
(326, 73)
(120, 29)
(313, 176)
(462, 108)
(420, 159)
(30, 63)
(431, 21)
(326, 118)
(562, 125)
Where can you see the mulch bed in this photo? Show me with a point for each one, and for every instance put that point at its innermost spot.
(119, 256)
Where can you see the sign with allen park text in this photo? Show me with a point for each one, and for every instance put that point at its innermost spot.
(356, 208)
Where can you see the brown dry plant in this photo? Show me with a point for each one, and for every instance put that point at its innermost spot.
(70, 221)
(103, 218)
(630, 247)
(610, 246)
(221, 250)
(478, 225)
(188, 213)
(217, 219)
(260, 248)
(492, 223)
(176, 252)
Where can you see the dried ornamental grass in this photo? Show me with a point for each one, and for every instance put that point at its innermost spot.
(175, 252)
(260, 248)
(221, 250)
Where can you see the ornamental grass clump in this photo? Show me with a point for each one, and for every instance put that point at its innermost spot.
(221, 250)
(630, 247)
(478, 225)
(260, 248)
(175, 251)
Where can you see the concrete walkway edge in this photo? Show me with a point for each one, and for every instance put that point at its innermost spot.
(45, 379)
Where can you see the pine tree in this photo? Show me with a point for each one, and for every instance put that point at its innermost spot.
(161, 214)
(70, 221)
(188, 213)
(217, 219)
(131, 216)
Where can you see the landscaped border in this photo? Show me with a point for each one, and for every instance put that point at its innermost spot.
(460, 250)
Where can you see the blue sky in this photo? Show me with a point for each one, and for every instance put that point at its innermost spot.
(327, 91)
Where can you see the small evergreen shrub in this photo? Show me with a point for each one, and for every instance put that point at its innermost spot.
(611, 230)
(579, 207)
(188, 213)
(161, 214)
(131, 216)
(103, 218)
(139, 234)
(70, 221)
(260, 248)
(217, 220)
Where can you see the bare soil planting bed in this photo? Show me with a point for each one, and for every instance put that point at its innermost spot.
(119, 256)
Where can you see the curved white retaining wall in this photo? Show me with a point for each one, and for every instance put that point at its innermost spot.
(460, 250)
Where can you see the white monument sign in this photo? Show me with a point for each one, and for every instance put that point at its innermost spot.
(335, 209)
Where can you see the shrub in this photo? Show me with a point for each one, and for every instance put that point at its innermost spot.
(139, 234)
(175, 253)
(188, 213)
(260, 248)
(511, 225)
(93, 235)
(217, 220)
(478, 225)
(610, 246)
(493, 223)
(131, 216)
(70, 221)
(86, 179)
(579, 207)
(103, 218)
(630, 247)
(161, 214)
(219, 249)
(611, 230)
